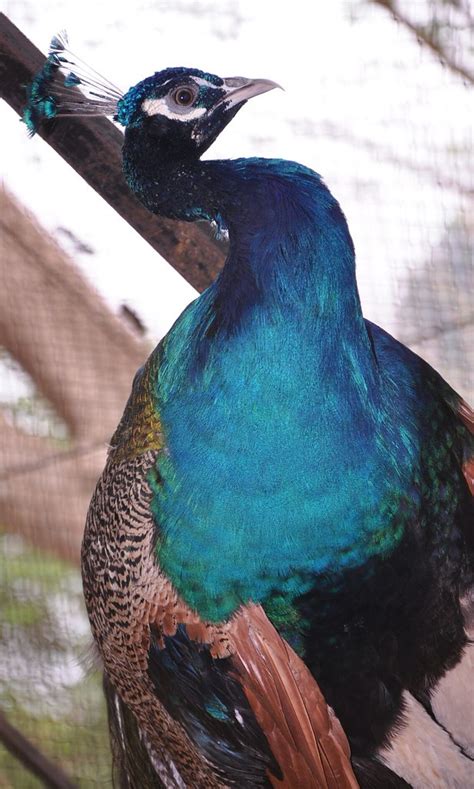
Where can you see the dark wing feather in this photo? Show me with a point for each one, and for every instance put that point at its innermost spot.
(205, 696)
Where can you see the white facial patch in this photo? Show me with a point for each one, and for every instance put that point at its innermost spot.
(167, 107)
(162, 107)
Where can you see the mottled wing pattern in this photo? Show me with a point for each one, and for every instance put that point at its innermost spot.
(124, 590)
(125, 593)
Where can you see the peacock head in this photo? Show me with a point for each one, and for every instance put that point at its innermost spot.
(186, 109)
(180, 108)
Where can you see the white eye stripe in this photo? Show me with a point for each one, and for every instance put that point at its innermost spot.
(188, 115)
(152, 106)
(161, 107)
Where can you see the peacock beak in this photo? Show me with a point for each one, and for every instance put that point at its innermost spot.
(237, 91)
(240, 89)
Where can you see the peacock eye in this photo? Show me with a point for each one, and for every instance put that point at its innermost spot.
(184, 96)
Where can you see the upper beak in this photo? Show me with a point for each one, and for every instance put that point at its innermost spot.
(237, 91)
(240, 89)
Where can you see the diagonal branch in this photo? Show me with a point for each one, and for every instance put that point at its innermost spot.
(92, 146)
(50, 774)
(78, 353)
(423, 36)
(45, 500)
(82, 359)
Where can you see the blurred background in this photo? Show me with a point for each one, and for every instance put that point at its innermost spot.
(378, 100)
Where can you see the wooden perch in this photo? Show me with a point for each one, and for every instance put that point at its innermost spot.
(92, 146)
(80, 356)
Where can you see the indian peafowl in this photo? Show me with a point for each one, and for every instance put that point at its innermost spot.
(286, 499)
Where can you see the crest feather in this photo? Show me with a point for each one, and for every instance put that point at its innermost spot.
(53, 92)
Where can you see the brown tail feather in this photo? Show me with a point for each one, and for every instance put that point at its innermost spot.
(467, 415)
(303, 732)
(468, 471)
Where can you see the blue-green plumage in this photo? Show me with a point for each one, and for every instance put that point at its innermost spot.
(49, 95)
(302, 459)
(296, 367)
(41, 104)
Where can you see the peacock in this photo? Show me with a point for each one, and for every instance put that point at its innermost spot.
(278, 559)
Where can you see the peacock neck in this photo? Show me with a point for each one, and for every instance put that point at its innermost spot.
(290, 254)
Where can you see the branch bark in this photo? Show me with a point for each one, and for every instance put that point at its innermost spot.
(423, 36)
(62, 333)
(82, 359)
(49, 773)
(92, 146)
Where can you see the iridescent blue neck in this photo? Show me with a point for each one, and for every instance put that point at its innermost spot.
(291, 260)
(276, 348)
(291, 254)
(290, 247)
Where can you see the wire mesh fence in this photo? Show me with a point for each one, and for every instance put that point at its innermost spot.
(70, 343)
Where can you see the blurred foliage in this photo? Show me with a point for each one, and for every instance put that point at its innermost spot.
(47, 690)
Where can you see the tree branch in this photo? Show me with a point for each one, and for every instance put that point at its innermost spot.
(79, 354)
(49, 773)
(426, 39)
(92, 146)
(82, 359)
(44, 494)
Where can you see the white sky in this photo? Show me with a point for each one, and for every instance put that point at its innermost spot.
(360, 97)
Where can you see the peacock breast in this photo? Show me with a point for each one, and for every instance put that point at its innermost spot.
(265, 480)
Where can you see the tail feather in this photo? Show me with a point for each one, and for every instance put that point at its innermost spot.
(466, 414)
(303, 732)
